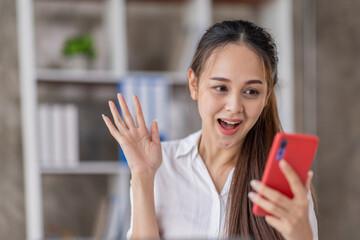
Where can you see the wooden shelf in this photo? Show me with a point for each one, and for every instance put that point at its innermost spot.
(89, 167)
(75, 76)
(102, 77)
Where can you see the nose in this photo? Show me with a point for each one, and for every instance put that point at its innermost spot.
(234, 104)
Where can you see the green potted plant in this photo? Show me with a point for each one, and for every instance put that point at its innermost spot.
(79, 52)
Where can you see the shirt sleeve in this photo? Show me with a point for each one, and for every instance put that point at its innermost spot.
(312, 218)
(129, 232)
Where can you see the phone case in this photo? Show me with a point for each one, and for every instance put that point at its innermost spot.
(299, 151)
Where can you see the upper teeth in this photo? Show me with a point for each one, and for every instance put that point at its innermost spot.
(229, 122)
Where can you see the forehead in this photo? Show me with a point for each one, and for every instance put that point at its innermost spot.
(235, 62)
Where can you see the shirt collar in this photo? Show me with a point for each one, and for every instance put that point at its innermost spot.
(227, 184)
(188, 144)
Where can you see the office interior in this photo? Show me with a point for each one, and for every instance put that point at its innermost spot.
(318, 44)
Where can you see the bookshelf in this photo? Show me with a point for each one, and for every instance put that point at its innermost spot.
(102, 77)
(34, 77)
(89, 167)
(116, 34)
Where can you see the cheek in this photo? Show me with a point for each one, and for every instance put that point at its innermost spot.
(254, 109)
(208, 106)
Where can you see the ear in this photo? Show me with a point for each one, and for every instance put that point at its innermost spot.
(192, 84)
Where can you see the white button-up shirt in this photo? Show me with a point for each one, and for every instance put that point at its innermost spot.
(187, 203)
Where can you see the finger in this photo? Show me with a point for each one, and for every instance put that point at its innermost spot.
(117, 119)
(271, 194)
(154, 132)
(268, 206)
(125, 112)
(112, 129)
(308, 180)
(275, 223)
(297, 188)
(139, 117)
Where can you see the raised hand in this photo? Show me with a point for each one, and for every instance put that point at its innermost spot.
(142, 151)
(289, 216)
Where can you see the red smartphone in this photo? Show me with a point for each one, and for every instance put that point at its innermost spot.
(298, 150)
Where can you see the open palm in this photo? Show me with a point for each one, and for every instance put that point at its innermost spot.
(142, 151)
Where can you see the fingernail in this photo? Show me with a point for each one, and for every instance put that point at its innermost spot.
(103, 116)
(252, 196)
(283, 164)
(311, 173)
(254, 183)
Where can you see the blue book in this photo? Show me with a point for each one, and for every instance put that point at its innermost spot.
(153, 93)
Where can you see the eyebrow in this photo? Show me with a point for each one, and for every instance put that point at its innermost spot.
(221, 79)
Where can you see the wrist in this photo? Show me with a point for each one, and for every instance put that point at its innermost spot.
(142, 179)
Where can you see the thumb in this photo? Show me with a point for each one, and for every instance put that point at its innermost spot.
(154, 132)
(308, 180)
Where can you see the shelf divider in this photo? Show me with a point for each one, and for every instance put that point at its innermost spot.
(102, 77)
(89, 167)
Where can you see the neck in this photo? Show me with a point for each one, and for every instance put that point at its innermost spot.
(216, 157)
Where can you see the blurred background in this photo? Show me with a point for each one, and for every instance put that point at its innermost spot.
(61, 61)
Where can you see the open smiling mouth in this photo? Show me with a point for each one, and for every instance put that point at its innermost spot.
(228, 125)
(228, 128)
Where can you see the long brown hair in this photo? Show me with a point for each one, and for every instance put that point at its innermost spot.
(239, 218)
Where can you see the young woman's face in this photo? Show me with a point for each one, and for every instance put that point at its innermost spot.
(231, 94)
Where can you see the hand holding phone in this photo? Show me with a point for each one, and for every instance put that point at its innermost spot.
(298, 150)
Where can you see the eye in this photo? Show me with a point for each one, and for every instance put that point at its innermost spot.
(221, 88)
(251, 92)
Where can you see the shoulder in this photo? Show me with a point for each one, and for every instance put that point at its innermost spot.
(312, 216)
(176, 148)
(178, 153)
(176, 167)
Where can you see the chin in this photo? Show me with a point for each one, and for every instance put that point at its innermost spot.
(225, 144)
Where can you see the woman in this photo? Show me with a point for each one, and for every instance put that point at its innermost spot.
(204, 186)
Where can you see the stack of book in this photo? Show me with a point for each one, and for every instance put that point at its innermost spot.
(58, 135)
(112, 220)
(113, 215)
(153, 93)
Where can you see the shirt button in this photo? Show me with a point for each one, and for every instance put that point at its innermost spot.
(215, 231)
